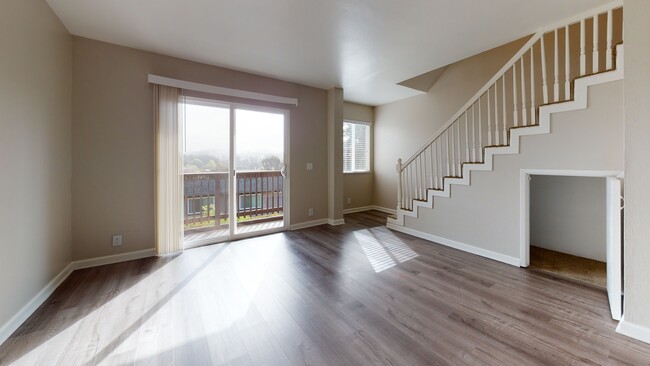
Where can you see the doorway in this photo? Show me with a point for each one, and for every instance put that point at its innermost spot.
(235, 181)
(571, 227)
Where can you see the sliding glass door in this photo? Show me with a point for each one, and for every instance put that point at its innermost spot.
(259, 170)
(234, 172)
(206, 166)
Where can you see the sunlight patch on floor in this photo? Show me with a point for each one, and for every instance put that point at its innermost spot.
(157, 296)
(383, 249)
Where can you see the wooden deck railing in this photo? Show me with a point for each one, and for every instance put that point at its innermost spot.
(259, 193)
(205, 199)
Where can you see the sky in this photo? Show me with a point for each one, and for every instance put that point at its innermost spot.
(207, 130)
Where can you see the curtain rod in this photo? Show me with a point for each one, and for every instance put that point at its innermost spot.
(188, 85)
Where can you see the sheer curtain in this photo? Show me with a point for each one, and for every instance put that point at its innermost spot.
(169, 178)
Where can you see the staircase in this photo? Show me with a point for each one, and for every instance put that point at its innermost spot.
(551, 73)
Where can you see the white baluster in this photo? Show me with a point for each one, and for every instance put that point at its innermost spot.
(406, 187)
(496, 110)
(420, 180)
(480, 130)
(594, 54)
(503, 108)
(412, 191)
(439, 161)
(416, 185)
(544, 79)
(556, 71)
(448, 154)
(452, 152)
(610, 35)
(433, 166)
(532, 87)
(474, 159)
(399, 183)
(489, 119)
(583, 54)
(425, 177)
(460, 159)
(466, 138)
(524, 115)
(515, 117)
(412, 186)
(567, 65)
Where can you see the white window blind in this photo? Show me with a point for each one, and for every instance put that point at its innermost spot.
(356, 147)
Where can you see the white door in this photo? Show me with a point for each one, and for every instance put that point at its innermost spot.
(614, 248)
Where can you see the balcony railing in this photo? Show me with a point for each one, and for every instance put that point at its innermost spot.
(258, 196)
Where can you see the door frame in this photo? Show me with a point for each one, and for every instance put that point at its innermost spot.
(286, 184)
(524, 201)
(524, 204)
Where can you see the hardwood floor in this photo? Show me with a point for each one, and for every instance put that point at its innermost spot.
(347, 295)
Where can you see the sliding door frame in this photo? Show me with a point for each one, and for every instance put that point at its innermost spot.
(286, 181)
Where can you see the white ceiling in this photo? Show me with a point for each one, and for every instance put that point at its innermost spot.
(364, 46)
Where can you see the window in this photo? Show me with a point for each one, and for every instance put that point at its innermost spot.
(356, 147)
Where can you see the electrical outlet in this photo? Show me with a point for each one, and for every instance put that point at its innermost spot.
(117, 240)
(310, 166)
(311, 212)
(349, 200)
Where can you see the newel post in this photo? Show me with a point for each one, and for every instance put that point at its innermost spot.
(399, 183)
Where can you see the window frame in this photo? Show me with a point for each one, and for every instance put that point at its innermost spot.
(368, 147)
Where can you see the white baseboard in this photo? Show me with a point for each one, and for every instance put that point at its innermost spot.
(110, 259)
(337, 222)
(368, 208)
(17, 320)
(390, 211)
(306, 224)
(457, 245)
(633, 330)
(357, 209)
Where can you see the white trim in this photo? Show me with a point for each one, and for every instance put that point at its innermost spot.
(390, 211)
(111, 259)
(524, 201)
(306, 224)
(369, 208)
(23, 314)
(212, 89)
(513, 261)
(357, 209)
(336, 222)
(17, 320)
(633, 330)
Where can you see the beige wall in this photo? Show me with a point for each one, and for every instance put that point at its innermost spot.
(404, 126)
(637, 151)
(35, 98)
(335, 155)
(567, 214)
(112, 142)
(486, 213)
(358, 187)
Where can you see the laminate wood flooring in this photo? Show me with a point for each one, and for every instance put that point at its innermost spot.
(356, 294)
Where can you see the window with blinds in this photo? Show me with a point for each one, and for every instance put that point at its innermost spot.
(356, 147)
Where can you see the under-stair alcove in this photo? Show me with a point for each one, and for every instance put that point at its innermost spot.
(568, 236)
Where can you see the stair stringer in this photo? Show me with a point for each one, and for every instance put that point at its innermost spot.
(580, 95)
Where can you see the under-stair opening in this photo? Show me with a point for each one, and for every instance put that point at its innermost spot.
(576, 211)
(568, 235)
